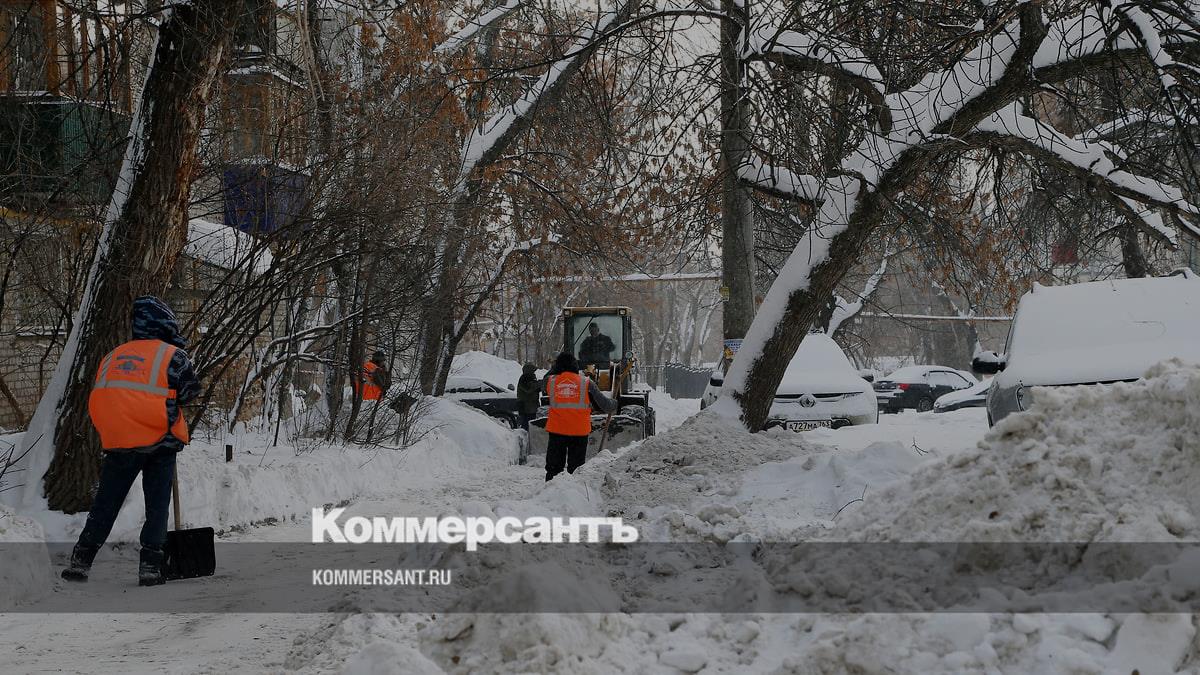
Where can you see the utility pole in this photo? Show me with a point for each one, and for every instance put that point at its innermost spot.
(737, 216)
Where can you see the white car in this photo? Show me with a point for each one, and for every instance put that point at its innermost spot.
(819, 389)
(973, 397)
(1097, 332)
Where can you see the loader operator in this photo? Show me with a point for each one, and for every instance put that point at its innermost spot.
(597, 348)
(572, 395)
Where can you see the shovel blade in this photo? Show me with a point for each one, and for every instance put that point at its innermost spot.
(190, 553)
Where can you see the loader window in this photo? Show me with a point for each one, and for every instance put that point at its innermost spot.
(598, 339)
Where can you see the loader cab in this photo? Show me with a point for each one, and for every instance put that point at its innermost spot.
(601, 338)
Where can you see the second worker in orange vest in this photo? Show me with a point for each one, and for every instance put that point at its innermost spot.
(572, 396)
(375, 377)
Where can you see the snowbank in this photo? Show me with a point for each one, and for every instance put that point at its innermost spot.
(1086, 464)
(264, 482)
(1099, 463)
(25, 572)
(474, 435)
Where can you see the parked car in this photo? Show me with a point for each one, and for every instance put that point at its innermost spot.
(819, 389)
(1097, 332)
(972, 397)
(496, 401)
(918, 387)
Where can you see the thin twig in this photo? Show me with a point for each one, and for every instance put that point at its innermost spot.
(862, 498)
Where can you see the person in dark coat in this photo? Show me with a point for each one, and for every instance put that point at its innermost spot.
(597, 348)
(529, 392)
(154, 330)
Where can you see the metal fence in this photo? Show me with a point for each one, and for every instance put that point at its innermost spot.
(682, 381)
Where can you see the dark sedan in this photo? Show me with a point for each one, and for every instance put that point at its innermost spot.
(917, 387)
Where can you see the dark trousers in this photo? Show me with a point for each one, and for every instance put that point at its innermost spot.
(523, 419)
(117, 471)
(569, 449)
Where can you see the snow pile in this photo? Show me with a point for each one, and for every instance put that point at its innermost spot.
(488, 367)
(671, 412)
(1098, 463)
(25, 572)
(1086, 464)
(714, 481)
(463, 432)
(264, 482)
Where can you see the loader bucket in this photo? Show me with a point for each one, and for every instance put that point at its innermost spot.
(623, 430)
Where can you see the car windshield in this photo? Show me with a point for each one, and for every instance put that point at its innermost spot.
(598, 338)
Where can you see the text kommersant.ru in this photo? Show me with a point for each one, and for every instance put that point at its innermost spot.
(326, 527)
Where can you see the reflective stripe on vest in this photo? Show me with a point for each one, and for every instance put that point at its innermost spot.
(128, 402)
(571, 413)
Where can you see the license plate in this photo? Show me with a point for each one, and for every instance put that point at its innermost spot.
(809, 425)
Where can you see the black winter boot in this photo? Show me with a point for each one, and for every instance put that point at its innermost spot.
(81, 562)
(150, 567)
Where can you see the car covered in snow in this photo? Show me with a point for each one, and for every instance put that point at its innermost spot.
(1098, 332)
(493, 399)
(972, 397)
(917, 387)
(819, 389)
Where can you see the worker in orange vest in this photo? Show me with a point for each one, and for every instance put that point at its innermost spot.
(135, 407)
(572, 396)
(375, 378)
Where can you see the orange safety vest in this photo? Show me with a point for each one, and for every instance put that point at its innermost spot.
(570, 408)
(370, 392)
(128, 403)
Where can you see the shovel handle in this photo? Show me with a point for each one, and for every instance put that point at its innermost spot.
(616, 393)
(175, 499)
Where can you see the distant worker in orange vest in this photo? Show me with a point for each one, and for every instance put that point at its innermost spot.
(135, 407)
(375, 378)
(572, 395)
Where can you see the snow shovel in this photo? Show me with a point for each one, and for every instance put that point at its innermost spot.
(189, 553)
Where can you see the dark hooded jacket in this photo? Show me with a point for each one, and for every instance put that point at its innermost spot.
(528, 390)
(152, 319)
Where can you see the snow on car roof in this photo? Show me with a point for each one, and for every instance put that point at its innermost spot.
(1102, 330)
(820, 364)
(911, 373)
(818, 352)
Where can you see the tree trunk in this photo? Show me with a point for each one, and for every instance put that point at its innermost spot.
(737, 218)
(145, 230)
(1133, 258)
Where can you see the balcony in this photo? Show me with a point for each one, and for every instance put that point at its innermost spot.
(261, 198)
(57, 149)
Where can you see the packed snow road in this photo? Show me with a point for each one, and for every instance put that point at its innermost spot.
(777, 494)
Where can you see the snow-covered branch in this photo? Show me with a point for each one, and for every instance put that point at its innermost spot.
(474, 26)
(1010, 127)
(497, 275)
(491, 138)
(822, 55)
(848, 310)
(781, 182)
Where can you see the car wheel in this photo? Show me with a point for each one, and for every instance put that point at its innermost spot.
(925, 405)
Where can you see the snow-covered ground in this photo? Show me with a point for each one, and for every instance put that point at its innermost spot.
(1087, 464)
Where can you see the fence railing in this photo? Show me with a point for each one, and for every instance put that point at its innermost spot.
(681, 381)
